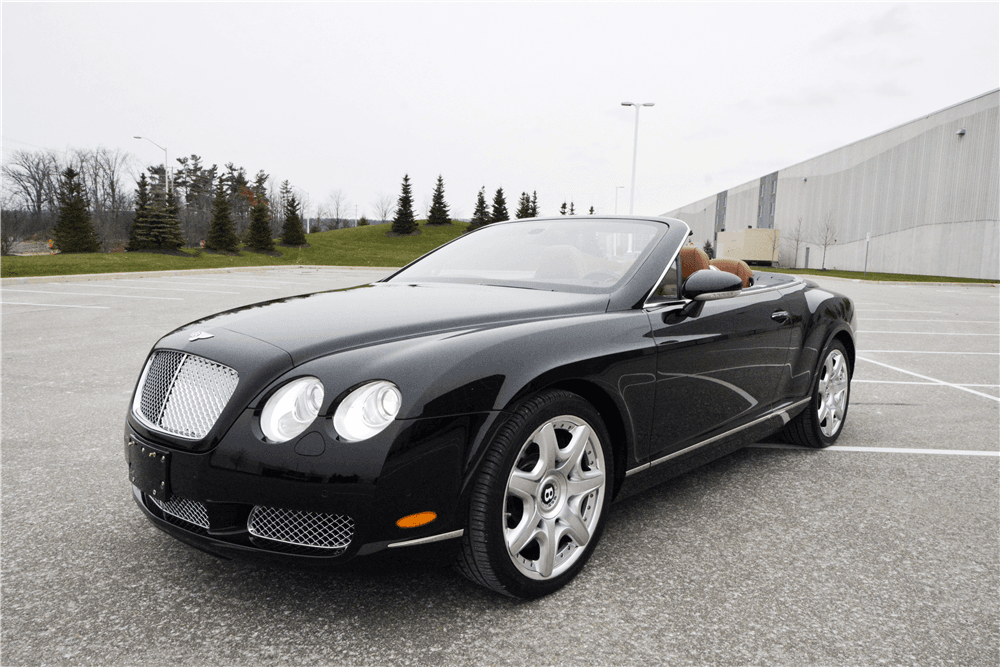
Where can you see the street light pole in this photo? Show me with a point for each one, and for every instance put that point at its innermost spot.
(166, 161)
(635, 148)
(620, 187)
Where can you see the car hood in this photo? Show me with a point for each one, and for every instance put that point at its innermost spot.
(313, 325)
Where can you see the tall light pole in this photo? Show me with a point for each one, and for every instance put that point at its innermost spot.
(166, 162)
(620, 187)
(635, 148)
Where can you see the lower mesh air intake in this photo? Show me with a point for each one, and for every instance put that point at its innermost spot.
(189, 511)
(316, 530)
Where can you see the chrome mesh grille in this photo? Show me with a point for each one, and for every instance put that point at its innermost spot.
(186, 510)
(307, 529)
(183, 394)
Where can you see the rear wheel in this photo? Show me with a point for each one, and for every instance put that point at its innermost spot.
(820, 424)
(539, 503)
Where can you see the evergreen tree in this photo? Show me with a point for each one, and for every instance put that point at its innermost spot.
(481, 215)
(562, 209)
(138, 238)
(572, 211)
(709, 250)
(438, 215)
(363, 221)
(73, 232)
(162, 223)
(534, 204)
(221, 235)
(404, 223)
(259, 232)
(172, 238)
(592, 210)
(499, 207)
(523, 206)
(292, 233)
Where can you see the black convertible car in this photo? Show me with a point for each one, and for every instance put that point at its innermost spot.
(498, 392)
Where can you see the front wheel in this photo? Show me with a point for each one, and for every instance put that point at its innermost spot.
(820, 424)
(539, 502)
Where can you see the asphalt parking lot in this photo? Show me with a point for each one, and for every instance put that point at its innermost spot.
(882, 550)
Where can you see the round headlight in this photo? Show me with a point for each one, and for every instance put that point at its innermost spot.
(367, 410)
(292, 409)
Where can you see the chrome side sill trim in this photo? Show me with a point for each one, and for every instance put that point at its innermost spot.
(777, 412)
(424, 540)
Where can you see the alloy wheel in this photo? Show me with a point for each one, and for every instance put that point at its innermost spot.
(553, 497)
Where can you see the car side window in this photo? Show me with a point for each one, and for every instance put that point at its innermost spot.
(669, 287)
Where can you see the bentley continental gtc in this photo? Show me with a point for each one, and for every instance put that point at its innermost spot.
(495, 395)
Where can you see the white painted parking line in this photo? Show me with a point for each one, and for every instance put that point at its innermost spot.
(934, 380)
(881, 450)
(174, 282)
(929, 384)
(928, 333)
(921, 352)
(277, 282)
(922, 319)
(119, 296)
(159, 289)
(49, 305)
(883, 310)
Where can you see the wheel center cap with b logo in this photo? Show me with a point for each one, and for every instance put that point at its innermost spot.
(548, 494)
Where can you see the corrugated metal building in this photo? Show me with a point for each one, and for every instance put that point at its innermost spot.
(927, 193)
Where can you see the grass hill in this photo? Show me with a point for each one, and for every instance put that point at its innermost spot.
(358, 246)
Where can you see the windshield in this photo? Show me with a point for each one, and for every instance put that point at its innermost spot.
(571, 255)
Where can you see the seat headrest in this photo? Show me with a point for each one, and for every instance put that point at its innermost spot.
(693, 259)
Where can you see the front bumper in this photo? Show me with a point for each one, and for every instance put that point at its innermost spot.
(315, 509)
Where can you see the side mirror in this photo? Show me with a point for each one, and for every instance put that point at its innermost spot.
(708, 285)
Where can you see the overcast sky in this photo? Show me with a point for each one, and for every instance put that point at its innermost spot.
(526, 96)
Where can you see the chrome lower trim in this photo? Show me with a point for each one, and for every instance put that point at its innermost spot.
(781, 412)
(426, 540)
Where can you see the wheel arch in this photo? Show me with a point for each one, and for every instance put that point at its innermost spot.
(610, 414)
(848, 342)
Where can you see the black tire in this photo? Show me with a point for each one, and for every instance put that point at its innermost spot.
(546, 518)
(822, 422)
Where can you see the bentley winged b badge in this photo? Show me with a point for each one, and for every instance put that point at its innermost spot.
(199, 335)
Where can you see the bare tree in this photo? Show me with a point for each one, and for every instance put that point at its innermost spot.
(103, 173)
(30, 178)
(337, 205)
(796, 238)
(384, 205)
(827, 235)
(775, 246)
(14, 222)
(324, 219)
(277, 199)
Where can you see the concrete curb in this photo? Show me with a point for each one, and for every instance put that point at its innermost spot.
(85, 277)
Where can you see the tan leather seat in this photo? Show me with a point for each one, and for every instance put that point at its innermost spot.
(735, 266)
(693, 259)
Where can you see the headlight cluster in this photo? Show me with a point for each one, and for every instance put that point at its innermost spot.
(292, 409)
(365, 412)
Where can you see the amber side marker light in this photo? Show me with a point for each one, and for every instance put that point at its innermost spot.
(416, 520)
